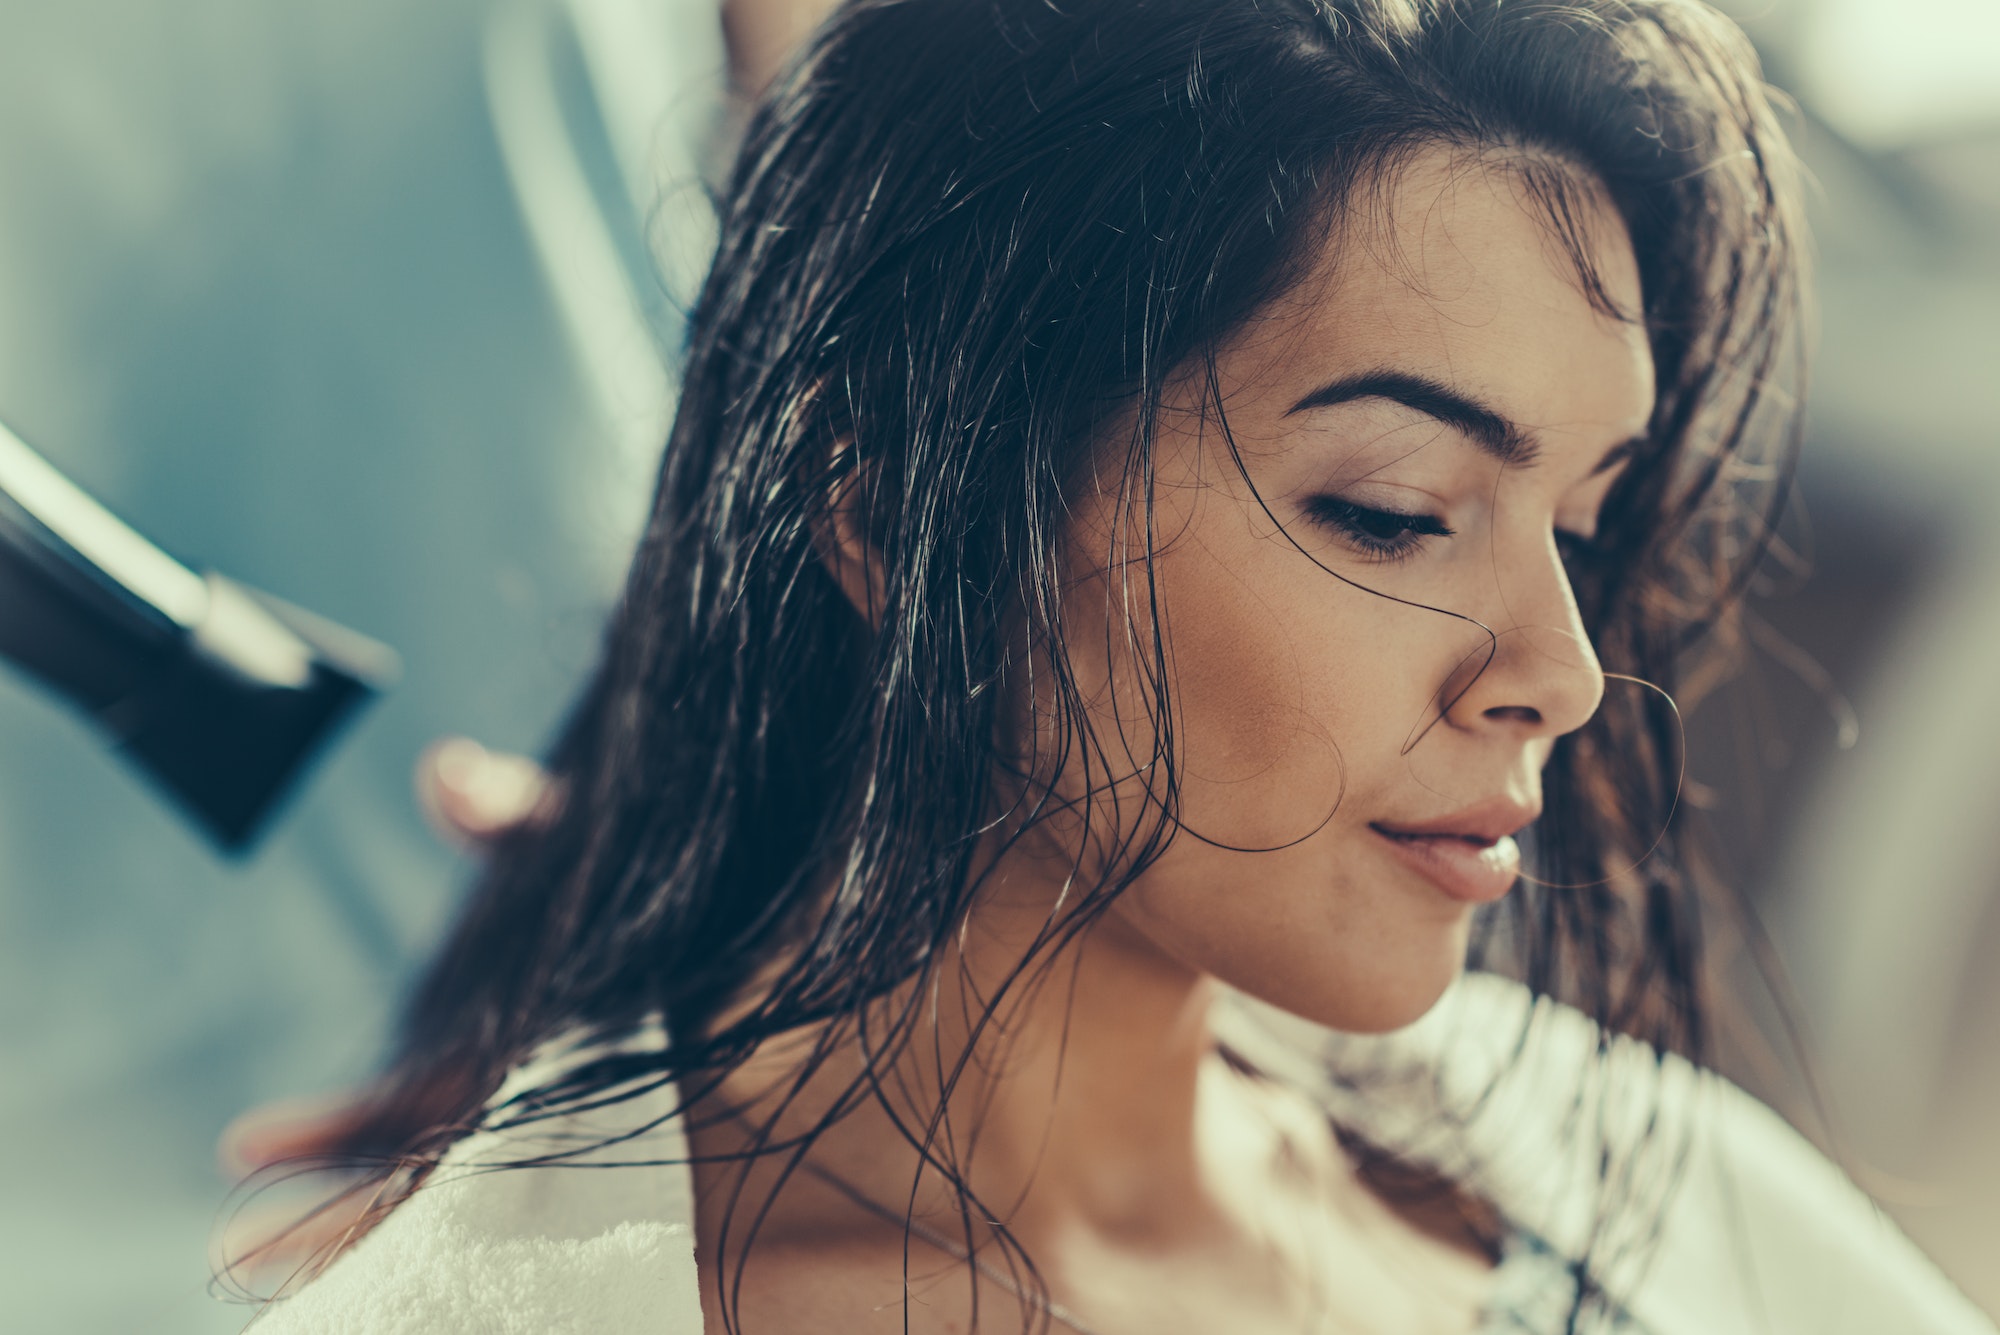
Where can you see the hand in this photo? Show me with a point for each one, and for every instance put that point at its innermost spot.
(472, 796)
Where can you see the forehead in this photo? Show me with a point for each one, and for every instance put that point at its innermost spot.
(1452, 267)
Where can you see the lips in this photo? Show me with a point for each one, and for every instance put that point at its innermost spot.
(1470, 855)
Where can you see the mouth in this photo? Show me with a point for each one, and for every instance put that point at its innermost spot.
(1474, 868)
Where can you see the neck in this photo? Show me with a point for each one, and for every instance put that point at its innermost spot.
(1065, 1093)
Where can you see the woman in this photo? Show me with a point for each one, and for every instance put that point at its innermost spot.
(1165, 493)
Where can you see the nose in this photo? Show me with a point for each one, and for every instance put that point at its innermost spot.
(1544, 678)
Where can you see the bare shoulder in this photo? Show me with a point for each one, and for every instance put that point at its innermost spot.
(851, 1283)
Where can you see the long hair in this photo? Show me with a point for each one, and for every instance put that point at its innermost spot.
(961, 238)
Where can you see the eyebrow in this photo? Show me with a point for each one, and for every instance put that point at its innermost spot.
(1493, 433)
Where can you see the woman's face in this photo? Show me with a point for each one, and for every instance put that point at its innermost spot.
(1418, 425)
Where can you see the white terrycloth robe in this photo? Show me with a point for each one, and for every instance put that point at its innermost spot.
(1762, 1236)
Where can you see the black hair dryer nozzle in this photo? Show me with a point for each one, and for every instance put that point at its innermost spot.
(217, 692)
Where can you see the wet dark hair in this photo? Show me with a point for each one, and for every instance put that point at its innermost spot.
(962, 239)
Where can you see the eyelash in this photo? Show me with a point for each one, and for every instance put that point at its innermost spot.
(1391, 535)
(1380, 535)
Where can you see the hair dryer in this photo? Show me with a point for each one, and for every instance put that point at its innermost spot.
(218, 693)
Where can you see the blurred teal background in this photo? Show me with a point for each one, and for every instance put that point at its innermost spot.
(373, 306)
(268, 289)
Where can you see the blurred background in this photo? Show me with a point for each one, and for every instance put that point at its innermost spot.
(375, 306)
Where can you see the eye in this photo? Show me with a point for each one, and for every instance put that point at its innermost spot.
(1380, 535)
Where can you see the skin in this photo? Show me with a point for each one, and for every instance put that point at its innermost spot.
(1305, 666)
(1320, 690)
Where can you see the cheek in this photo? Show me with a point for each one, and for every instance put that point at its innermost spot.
(1275, 694)
(1258, 701)
(1291, 692)
(1294, 694)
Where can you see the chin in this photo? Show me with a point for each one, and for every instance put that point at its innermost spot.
(1382, 1006)
(1375, 996)
(1382, 977)
(1384, 1014)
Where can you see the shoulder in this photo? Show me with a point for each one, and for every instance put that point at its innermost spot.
(543, 1228)
(1720, 1218)
(1762, 1222)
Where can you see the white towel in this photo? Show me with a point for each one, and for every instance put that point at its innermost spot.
(1764, 1236)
